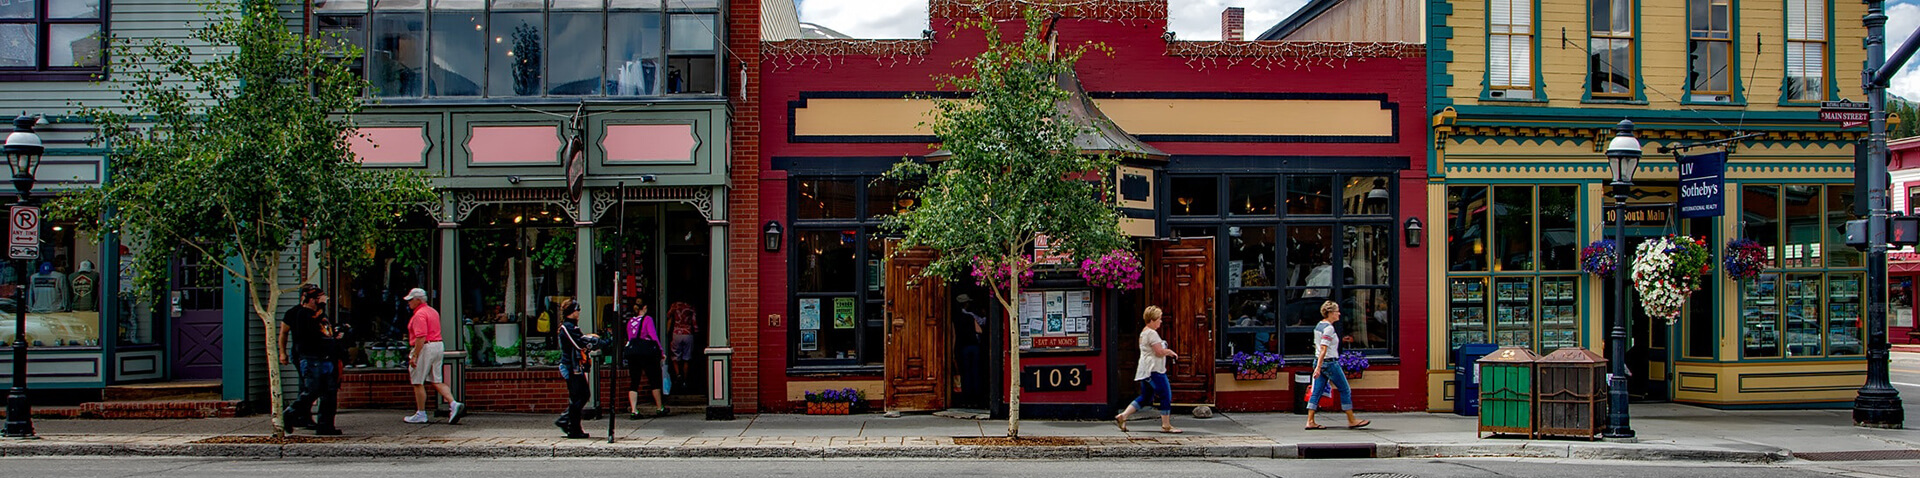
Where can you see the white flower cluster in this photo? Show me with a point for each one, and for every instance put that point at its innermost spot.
(1660, 293)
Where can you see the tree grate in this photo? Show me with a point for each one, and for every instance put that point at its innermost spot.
(1864, 455)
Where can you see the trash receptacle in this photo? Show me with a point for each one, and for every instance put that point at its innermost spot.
(1466, 377)
(1506, 391)
(1302, 380)
(1571, 390)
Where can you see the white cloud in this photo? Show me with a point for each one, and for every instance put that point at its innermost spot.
(1191, 19)
(1902, 19)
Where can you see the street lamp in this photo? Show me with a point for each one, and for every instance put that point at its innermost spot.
(1623, 157)
(23, 151)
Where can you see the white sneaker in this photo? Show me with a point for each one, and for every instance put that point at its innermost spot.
(455, 411)
(416, 417)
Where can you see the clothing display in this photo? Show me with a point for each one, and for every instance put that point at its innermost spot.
(50, 290)
(85, 285)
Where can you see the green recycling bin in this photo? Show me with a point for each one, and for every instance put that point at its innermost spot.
(1506, 392)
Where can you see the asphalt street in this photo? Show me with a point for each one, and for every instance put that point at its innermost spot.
(860, 468)
(1905, 374)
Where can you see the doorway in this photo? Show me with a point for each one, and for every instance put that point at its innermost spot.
(197, 298)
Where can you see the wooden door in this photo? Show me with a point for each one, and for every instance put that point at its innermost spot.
(917, 333)
(197, 329)
(1182, 285)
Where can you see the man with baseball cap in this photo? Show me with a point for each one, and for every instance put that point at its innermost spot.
(423, 333)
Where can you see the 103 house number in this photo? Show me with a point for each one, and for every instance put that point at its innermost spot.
(1055, 378)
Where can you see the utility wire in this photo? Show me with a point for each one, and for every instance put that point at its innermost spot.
(1564, 42)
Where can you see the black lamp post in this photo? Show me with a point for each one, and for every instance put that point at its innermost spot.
(1623, 158)
(23, 151)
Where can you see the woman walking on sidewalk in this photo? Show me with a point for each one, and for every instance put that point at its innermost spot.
(1151, 373)
(1326, 369)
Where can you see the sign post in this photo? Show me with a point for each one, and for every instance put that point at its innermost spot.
(23, 233)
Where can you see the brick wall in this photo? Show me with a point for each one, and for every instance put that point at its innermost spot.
(511, 391)
(743, 241)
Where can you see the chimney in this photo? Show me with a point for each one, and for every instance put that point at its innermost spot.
(1233, 24)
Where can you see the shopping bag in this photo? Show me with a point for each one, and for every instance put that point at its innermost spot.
(666, 379)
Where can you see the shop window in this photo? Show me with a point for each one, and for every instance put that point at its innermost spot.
(1333, 240)
(1900, 301)
(62, 290)
(838, 266)
(137, 314)
(1531, 296)
(521, 48)
(1809, 305)
(518, 265)
(1700, 317)
(52, 40)
(1709, 46)
(1610, 69)
(1913, 200)
(1806, 76)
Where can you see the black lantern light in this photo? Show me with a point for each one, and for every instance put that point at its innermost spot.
(1413, 231)
(773, 236)
(23, 150)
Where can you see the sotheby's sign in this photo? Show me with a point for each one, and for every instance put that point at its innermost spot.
(1703, 180)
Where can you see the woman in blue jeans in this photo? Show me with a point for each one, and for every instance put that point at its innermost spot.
(1326, 369)
(1151, 373)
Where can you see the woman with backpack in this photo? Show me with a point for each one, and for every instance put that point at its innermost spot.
(643, 354)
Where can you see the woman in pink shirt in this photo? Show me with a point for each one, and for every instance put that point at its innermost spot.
(643, 356)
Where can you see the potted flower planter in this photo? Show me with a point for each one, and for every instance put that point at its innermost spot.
(1355, 374)
(828, 408)
(1255, 374)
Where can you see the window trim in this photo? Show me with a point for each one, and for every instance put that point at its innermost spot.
(1734, 93)
(1638, 93)
(1538, 90)
(1280, 221)
(1829, 89)
(867, 228)
(43, 71)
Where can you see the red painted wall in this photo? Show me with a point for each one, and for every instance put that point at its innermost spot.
(1138, 63)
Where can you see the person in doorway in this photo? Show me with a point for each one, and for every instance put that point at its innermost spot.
(972, 339)
(643, 355)
(685, 324)
(1151, 373)
(314, 339)
(574, 360)
(428, 353)
(1327, 371)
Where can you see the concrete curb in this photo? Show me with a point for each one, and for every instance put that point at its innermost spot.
(601, 449)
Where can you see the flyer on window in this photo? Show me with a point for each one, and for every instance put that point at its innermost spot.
(809, 340)
(843, 312)
(809, 314)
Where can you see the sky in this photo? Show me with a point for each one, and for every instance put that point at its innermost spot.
(1200, 20)
(1190, 19)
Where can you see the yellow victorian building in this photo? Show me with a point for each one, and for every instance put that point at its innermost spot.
(1524, 97)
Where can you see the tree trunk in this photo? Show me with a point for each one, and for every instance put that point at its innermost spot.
(265, 298)
(1013, 346)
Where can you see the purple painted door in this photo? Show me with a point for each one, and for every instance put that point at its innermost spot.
(197, 299)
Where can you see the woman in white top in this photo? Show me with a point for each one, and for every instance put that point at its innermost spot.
(1151, 373)
(1326, 369)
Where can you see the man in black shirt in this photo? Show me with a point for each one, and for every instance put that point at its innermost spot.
(315, 342)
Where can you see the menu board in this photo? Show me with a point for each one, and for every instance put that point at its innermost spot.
(1056, 319)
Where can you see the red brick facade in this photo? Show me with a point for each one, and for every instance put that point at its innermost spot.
(743, 196)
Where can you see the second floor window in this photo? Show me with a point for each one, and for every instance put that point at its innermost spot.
(1510, 48)
(1610, 48)
(1709, 43)
(1806, 50)
(522, 48)
(51, 40)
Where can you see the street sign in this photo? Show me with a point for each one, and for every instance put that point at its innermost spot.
(1702, 181)
(23, 232)
(1843, 111)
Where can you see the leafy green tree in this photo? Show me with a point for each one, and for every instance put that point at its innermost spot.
(238, 156)
(1014, 175)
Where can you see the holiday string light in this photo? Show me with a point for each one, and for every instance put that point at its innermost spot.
(825, 53)
(1268, 55)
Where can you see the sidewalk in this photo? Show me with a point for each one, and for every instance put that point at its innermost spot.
(1666, 432)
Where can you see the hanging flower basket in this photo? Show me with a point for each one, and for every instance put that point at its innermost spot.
(1255, 366)
(1119, 269)
(1600, 258)
(1745, 259)
(1668, 269)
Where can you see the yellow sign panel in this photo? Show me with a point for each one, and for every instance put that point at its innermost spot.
(843, 117)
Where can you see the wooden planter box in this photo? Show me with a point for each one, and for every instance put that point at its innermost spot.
(836, 408)
(1355, 375)
(1256, 375)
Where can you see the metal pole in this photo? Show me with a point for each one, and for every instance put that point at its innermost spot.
(620, 331)
(1878, 403)
(19, 410)
(1617, 418)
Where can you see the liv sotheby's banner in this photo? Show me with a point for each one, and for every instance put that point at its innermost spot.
(1702, 180)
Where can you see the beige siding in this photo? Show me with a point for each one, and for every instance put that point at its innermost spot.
(1662, 60)
(1367, 21)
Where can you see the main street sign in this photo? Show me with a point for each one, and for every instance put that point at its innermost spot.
(1844, 111)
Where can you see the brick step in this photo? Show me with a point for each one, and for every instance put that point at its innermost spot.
(187, 390)
(143, 409)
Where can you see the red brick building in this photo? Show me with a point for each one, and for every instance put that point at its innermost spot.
(1291, 172)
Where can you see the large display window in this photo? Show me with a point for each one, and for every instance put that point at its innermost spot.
(1513, 260)
(839, 277)
(1808, 303)
(63, 291)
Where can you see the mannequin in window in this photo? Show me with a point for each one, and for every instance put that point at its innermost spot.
(84, 283)
(49, 292)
